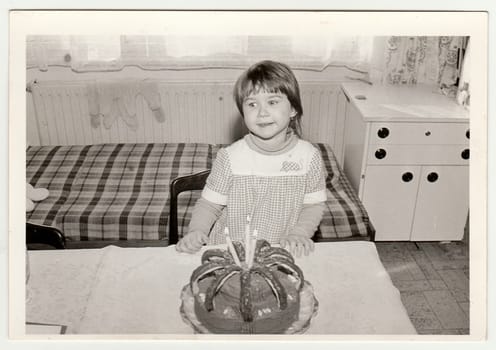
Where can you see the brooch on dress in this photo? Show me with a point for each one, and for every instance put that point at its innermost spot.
(290, 166)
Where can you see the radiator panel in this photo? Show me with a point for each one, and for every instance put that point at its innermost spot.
(194, 112)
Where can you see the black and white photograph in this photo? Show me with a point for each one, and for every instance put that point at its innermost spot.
(204, 175)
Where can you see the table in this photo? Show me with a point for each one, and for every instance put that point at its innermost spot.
(116, 290)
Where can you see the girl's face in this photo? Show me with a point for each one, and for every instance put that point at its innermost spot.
(267, 116)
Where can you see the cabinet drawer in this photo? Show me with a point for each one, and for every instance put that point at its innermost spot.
(418, 154)
(419, 133)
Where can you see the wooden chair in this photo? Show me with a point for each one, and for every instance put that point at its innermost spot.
(180, 184)
(43, 237)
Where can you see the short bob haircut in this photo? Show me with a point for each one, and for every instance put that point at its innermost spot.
(270, 76)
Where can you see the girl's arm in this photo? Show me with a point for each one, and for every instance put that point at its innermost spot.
(309, 220)
(209, 207)
(298, 240)
(299, 237)
(204, 215)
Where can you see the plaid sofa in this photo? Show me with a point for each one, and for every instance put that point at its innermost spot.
(121, 191)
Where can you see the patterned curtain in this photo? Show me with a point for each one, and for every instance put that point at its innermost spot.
(423, 59)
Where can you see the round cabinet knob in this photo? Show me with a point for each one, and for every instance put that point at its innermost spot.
(432, 177)
(427, 133)
(383, 133)
(467, 134)
(380, 153)
(407, 177)
(466, 154)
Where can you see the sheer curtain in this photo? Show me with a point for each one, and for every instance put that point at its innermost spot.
(153, 52)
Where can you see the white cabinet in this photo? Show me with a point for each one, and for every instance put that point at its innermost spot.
(411, 172)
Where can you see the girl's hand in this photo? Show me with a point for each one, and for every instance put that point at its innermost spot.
(192, 242)
(297, 244)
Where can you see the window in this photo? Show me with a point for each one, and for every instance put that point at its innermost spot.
(107, 53)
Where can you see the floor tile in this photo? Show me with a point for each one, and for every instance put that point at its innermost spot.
(398, 270)
(440, 260)
(454, 250)
(438, 284)
(411, 246)
(465, 306)
(425, 265)
(446, 309)
(392, 251)
(457, 282)
(413, 286)
(415, 270)
(420, 312)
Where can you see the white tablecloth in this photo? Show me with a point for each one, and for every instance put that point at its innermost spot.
(136, 290)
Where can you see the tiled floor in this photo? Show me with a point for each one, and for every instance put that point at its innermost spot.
(433, 279)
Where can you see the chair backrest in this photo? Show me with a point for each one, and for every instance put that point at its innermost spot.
(43, 237)
(180, 184)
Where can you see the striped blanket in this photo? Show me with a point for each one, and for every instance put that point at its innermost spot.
(121, 191)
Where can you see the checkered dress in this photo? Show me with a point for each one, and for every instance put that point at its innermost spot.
(271, 189)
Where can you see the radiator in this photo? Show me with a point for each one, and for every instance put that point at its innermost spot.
(194, 112)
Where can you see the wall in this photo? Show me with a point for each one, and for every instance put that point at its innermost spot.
(198, 107)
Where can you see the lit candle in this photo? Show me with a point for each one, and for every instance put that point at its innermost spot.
(230, 247)
(247, 240)
(253, 245)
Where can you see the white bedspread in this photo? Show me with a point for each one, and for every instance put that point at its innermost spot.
(136, 290)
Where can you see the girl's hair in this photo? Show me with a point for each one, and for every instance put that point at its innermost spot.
(270, 76)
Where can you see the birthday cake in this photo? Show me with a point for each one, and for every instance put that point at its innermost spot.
(261, 291)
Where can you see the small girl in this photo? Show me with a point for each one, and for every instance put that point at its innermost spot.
(271, 177)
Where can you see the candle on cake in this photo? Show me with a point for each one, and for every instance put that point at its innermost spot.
(253, 244)
(230, 247)
(247, 239)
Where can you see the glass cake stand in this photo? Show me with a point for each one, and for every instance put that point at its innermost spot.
(308, 309)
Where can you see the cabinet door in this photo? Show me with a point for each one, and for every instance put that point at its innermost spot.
(442, 203)
(389, 197)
